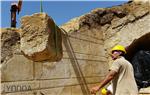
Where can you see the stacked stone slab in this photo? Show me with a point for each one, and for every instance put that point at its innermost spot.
(40, 38)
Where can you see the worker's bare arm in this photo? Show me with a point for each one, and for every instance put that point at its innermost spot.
(106, 80)
(19, 5)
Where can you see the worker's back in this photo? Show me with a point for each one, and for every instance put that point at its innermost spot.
(124, 83)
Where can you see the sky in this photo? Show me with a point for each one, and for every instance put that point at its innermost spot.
(61, 11)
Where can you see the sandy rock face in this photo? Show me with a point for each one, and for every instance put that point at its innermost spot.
(10, 40)
(142, 1)
(40, 38)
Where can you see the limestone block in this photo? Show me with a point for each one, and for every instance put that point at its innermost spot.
(95, 32)
(82, 56)
(54, 83)
(87, 37)
(84, 68)
(97, 49)
(68, 45)
(16, 69)
(66, 91)
(76, 90)
(11, 87)
(89, 68)
(51, 70)
(79, 45)
(40, 39)
(24, 93)
(99, 68)
(83, 46)
(56, 91)
(84, 33)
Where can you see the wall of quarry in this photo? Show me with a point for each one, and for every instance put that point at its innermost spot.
(85, 47)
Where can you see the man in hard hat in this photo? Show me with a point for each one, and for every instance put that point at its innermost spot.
(120, 73)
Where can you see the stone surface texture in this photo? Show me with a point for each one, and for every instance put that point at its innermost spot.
(38, 38)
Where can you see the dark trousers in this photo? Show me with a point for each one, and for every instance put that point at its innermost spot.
(13, 11)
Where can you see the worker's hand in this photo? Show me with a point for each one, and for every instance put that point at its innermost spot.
(95, 89)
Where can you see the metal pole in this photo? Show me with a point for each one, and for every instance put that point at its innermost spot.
(41, 7)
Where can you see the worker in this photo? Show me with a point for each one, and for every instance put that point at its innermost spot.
(15, 8)
(121, 75)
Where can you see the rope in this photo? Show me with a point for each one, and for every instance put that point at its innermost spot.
(75, 64)
(56, 38)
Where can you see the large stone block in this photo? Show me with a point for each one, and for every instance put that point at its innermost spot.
(22, 93)
(88, 68)
(55, 91)
(16, 69)
(83, 46)
(51, 70)
(22, 86)
(88, 36)
(41, 39)
(82, 56)
(54, 83)
(76, 90)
